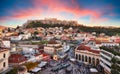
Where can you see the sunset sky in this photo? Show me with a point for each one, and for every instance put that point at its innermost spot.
(87, 12)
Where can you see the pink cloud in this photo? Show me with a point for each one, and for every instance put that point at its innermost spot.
(54, 7)
(62, 6)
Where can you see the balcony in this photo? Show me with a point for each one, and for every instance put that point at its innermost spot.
(105, 67)
(106, 56)
(105, 61)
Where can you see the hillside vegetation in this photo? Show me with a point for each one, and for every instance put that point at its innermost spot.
(98, 30)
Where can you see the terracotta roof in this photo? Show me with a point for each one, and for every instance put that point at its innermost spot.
(83, 47)
(40, 34)
(65, 38)
(97, 42)
(52, 42)
(92, 38)
(41, 51)
(16, 58)
(117, 40)
(44, 55)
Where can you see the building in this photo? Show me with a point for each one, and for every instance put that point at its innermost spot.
(4, 54)
(6, 43)
(105, 60)
(46, 57)
(110, 58)
(101, 43)
(110, 44)
(38, 57)
(87, 55)
(16, 59)
(103, 39)
(52, 47)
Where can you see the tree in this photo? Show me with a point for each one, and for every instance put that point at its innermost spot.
(17, 27)
(8, 29)
(36, 32)
(3, 31)
(21, 33)
(98, 30)
(31, 65)
(13, 71)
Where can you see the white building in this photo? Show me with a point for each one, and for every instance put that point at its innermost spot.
(105, 60)
(25, 36)
(4, 54)
(52, 47)
(6, 43)
(16, 38)
(87, 54)
(110, 44)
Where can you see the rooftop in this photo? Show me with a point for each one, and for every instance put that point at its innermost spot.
(83, 47)
(16, 58)
(3, 49)
(52, 42)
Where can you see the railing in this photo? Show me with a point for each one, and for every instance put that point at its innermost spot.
(103, 65)
(105, 61)
(108, 57)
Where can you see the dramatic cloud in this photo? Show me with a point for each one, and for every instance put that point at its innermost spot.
(71, 7)
(95, 11)
(54, 6)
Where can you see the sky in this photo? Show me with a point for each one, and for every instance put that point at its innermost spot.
(86, 12)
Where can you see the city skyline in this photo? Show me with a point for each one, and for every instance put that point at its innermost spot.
(87, 12)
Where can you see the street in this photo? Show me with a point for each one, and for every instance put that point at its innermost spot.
(74, 67)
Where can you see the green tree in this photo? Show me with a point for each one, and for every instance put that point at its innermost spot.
(31, 65)
(13, 71)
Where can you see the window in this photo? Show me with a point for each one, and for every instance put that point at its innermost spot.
(90, 60)
(83, 58)
(4, 64)
(93, 61)
(76, 56)
(97, 61)
(4, 55)
(79, 57)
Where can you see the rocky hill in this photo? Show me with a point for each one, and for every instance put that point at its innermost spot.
(66, 24)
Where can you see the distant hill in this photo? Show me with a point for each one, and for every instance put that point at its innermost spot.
(2, 27)
(66, 24)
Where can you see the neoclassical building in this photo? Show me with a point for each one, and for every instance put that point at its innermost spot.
(87, 54)
(4, 54)
(52, 47)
